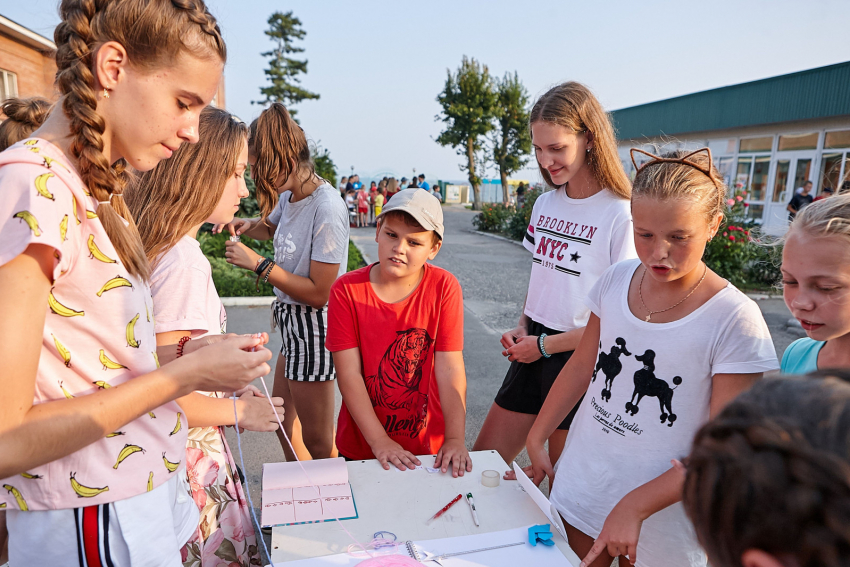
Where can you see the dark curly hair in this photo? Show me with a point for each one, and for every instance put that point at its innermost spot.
(772, 472)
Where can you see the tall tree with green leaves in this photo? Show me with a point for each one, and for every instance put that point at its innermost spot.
(469, 105)
(512, 140)
(284, 71)
(323, 163)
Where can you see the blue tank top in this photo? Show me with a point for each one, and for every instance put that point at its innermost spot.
(801, 356)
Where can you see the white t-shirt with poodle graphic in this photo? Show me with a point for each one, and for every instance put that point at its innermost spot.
(649, 395)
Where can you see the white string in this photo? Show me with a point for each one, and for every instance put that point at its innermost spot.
(304, 470)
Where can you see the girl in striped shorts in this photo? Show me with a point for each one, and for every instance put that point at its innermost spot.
(309, 224)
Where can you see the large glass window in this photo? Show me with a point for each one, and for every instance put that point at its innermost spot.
(8, 85)
(724, 167)
(742, 175)
(839, 139)
(780, 182)
(803, 172)
(798, 142)
(830, 171)
(763, 144)
(759, 184)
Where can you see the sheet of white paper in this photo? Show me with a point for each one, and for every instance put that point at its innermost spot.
(540, 499)
(331, 490)
(338, 507)
(305, 493)
(526, 554)
(278, 512)
(290, 475)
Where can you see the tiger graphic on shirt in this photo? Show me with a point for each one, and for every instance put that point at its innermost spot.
(395, 386)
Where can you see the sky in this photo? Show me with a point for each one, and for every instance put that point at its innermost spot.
(379, 65)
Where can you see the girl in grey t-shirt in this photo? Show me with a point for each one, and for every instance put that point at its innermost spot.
(309, 223)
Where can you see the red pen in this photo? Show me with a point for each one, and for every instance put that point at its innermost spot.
(444, 508)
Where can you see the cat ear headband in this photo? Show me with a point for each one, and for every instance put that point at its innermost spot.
(655, 160)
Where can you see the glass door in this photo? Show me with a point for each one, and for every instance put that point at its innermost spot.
(791, 171)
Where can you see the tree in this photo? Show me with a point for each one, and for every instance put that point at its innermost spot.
(512, 140)
(469, 106)
(323, 163)
(284, 71)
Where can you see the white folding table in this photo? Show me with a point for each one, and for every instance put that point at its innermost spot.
(401, 502)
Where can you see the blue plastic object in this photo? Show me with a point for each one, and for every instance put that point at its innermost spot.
(540, 534)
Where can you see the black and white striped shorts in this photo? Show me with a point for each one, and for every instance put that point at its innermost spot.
(304, 330)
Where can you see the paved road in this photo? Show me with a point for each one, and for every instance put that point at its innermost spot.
(494, 275)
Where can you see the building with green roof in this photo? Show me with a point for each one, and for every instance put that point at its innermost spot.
(767, 137)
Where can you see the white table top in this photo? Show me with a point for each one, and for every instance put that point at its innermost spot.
(401, 502)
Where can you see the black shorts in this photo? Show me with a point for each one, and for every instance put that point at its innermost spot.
(526, 385)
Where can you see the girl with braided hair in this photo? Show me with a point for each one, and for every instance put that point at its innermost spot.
(93, 441)
(816, 285)
(768, 479)
(694, 343)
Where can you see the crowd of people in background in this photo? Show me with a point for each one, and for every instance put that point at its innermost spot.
(365, 203)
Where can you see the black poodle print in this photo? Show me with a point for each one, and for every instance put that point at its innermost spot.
(646, 384)
(610, 365)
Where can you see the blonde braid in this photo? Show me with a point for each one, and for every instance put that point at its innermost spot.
(73, 37)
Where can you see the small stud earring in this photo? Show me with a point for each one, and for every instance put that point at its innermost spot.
(587, 150)
(105, 93)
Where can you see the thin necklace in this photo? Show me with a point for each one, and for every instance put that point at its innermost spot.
(651, 313)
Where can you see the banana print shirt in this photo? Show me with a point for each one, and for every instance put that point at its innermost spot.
(98, 333)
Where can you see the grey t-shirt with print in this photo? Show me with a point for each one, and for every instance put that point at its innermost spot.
(314, 228)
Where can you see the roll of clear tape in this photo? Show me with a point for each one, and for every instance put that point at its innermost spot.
(490, 479)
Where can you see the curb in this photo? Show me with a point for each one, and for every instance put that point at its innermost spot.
(262, 301)
(496, 236)
(366, 257)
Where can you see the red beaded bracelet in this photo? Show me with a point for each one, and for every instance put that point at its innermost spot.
(180, 344)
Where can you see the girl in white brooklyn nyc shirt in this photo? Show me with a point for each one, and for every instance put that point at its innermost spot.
(668, 344)
(576, 232)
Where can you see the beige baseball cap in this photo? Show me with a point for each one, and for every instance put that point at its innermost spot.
(421, 205)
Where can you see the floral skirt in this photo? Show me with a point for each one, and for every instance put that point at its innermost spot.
(225, 534)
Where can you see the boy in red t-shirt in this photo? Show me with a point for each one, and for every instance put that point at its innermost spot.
(395, 329)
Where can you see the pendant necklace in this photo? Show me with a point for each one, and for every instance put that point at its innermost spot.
(651, 313)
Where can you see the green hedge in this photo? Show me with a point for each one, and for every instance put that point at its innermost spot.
(231, 281)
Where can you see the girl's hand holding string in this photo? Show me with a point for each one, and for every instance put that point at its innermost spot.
(227, 366)
(255, 413)
(240, 255)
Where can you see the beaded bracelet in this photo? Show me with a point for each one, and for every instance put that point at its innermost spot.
(180, 344)
(541, 347)
(268, 267)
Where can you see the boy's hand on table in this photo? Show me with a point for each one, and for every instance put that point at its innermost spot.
(388, 451)
(453, 454)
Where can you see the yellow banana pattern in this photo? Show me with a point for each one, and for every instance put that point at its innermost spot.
(2, 505)
(68, 394)
(85, 491)
(169, 465)
(150, 481)
(33, 150)
(74, 210)
(30, 142)
(156, 358)
(31, 476)
(94, 252)
(63, 352)
(31, 221)
(60, 309)
(22, 504)
(63, 229)
(115, 282)
(178, 426)
(114, 434)
(131, 333)
(41, 186)
(101, 384)
(49, 161)
(126, 452)
(91, 214)
(108, 363)
(152, 414)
